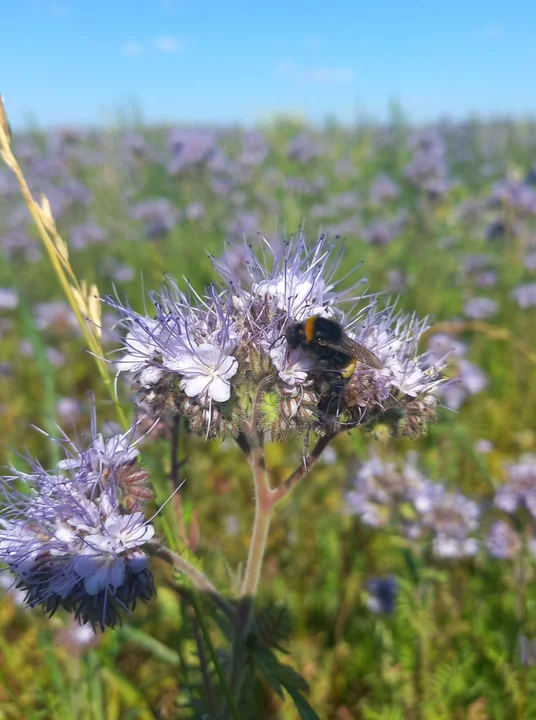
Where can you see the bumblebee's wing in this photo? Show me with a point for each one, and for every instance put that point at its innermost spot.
(354, 350)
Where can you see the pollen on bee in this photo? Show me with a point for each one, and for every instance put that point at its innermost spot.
(348, 371)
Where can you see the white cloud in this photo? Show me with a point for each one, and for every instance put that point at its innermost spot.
(166, 44)
(316, 75)
(131, 48)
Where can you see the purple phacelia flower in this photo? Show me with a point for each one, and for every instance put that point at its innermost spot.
(74, 537)
(485, 279)
(303, 148)
(81, 236)
(503, 542)
(515, 194)
(468, 378)
(451, 517)
(190, 147)
(9, 299)
(254, 149)
(383, 189)
(480, 308)
(159, 216)
(195, 211)
(383, 232)
(520, 491)
(525, 295)
(530, 262)
(399, 496)
(201, 352)
(56, 317)
(428, 169)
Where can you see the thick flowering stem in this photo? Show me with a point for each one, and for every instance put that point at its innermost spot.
(261, 526)
(265, 501)
(197, 578)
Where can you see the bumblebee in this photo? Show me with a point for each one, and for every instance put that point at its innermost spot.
(325, 340)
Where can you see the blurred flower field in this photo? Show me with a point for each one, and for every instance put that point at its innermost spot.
(407, 565)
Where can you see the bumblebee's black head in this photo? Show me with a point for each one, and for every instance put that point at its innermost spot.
(295, 335)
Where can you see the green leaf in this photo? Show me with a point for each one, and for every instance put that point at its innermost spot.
(278, 675)
(302, 705)
(157, 649)
(272, 625)
(267, 664)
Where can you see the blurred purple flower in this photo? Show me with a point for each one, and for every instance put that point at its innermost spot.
(484, 446)
(195, 211)
(383, 232)
(190, 147)
(62, 198)
(222, 186)
(81, 236)
(525, 295)
(160, 216)
(8, 184)
(469, 379)
(17, 241)
(503, 542)
(520, 491)
(9, 299)
(303, 148)
(515, 194)
(243, 225)
(396, 281)
(473, 263)
(486, 279)
(480, 308)
(530, 261)
(254, 148)
(428, 169)
(56, 317)
(123, 273)
(383, 189)
(69, 411)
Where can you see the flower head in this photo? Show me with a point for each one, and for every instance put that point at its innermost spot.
(222, 357)
(73, 537)
(520, 491)
(386, 494)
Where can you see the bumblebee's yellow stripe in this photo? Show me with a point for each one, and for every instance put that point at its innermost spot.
(310, 329)
(348, 371)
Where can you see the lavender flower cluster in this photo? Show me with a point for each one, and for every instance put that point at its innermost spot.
(74, 537)
(398, 496)
(385, 494)
(222, 360)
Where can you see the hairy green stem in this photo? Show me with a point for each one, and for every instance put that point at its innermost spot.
(261, 525)
(197, 578)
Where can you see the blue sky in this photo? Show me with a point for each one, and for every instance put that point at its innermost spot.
(81, 61)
